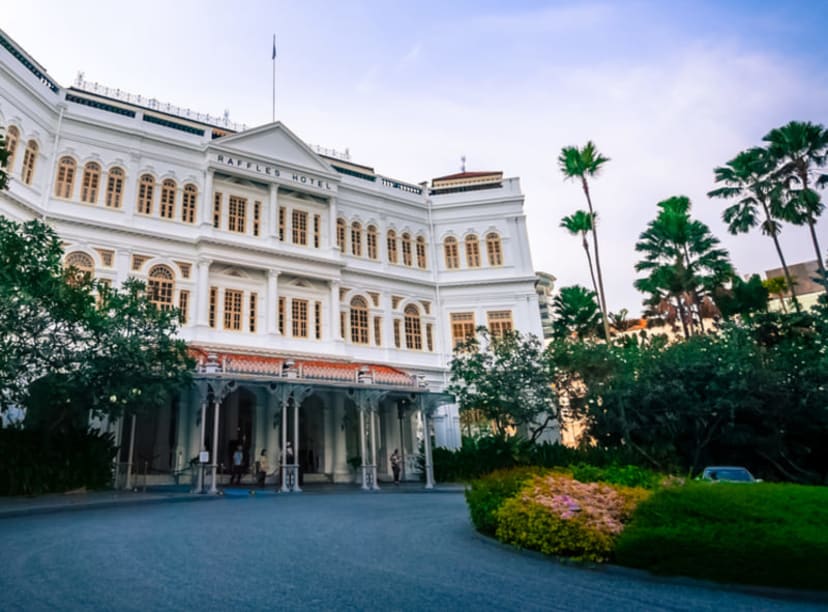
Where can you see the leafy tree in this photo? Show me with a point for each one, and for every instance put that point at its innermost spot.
(750, 177)
(801, 149)
(506, 380)
(576, 313)
(777, 286)
(581, 164)
(580, 223)
(742, 298)
(682, 258)
(620, 320)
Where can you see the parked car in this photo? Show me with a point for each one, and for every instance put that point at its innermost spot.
(727, 473)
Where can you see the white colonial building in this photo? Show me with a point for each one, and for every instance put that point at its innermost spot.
(320, 299)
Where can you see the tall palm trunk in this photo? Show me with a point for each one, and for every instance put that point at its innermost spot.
(601, 295)
(591, 270)
(803, 175)
(682, 317)
(788, 279)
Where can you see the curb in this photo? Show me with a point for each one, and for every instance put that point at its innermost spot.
(94, 505)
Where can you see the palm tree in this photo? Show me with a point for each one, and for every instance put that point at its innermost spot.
(581, 164)
(682, 257)
(581, 222)
(801, 148)
(576, 313)
(778, 285)
(749, 176)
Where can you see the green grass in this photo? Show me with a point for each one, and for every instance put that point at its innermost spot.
(766, 534)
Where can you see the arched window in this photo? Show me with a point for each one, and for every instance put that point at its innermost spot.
(91, 181)
(356, 239)
(146, 189)
(340, 234)
(472, 251)
(188, 203)
(79, 264)
(494, 249)
(421, 253)
(392, 246)
(359, 321)
(29, 159)
(12, 138)
(65, 183)
(115, 187)
(413, 329)
(406, 249)
(452, 256)
(167, 210)
(160, 287)
(372, 242)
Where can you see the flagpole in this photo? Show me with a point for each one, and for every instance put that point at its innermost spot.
(274, 79)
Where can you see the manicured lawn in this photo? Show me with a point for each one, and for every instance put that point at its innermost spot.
(766, 534)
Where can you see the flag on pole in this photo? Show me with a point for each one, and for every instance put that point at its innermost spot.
(274, 47)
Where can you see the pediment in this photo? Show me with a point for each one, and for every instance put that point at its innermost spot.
(276, 143)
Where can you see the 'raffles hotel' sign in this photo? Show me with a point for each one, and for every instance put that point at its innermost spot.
(262, 168)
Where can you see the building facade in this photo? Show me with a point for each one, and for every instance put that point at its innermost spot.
(320, 299)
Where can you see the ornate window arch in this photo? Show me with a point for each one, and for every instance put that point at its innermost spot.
(146, 190)
(413, 328)
(392, 246)
(356, 239)
(494, 249)
(406, 249)
(12, 138)
(115, 187)
(340, 234)
(451, 253)
(359, 320)
(160, 286)
(29, 160)
(188, 203)
(371, 241)
(167, 208)
(65, 183)
(90, 182)
(79, 264)
(472, 251)
(421, 253)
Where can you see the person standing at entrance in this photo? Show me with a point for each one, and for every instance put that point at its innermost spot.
(262, 468)
(238, 459)
(396, 464)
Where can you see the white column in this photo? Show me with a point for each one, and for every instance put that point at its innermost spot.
(123, 266)
(374, 484)
(202, 444)
(429, 466)
(332, 214)
(340, 459)
(284, 445)
(272, 229)
(214, 466)
(336, 333)
(205, 213)
(202, 292)
(296, 444)
(272, 302)
(362, 444)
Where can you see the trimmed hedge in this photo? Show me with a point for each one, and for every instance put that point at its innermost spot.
(486, 495)
(767, 534)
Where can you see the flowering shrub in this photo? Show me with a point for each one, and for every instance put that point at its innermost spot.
(558, 515)
(486, 495)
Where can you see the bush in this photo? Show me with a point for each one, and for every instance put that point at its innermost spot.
(35, 462)
(626, 475)
(558, 515)
(486, 495)
(768, 534)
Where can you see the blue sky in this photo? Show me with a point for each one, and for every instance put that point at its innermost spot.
(666, 90)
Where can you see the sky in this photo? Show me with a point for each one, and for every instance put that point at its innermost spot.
(667, 91)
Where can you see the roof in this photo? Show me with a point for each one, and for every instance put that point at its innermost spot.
(466, 175)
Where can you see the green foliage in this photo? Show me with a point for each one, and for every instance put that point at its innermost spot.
(486, 495)
(36, 461)
(742, 298)
(766, 534)
(505, 380)
(625, 475)
(576, 313)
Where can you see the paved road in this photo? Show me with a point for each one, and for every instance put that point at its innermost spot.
(350, 551)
